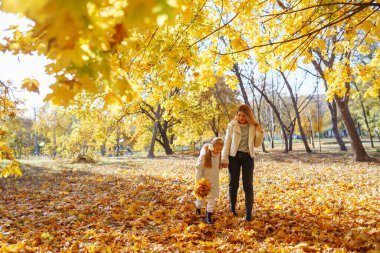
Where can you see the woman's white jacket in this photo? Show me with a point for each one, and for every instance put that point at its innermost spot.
(233, 137)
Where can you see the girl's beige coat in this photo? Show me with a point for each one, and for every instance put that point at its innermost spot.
(212, 174)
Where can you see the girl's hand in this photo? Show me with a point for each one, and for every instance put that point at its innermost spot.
(224, 165)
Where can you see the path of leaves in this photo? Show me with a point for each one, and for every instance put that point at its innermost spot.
(147, 205)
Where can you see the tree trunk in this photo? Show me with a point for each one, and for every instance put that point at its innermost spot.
(273, 128)
(332, 108)
(278, 115)
(214, 127)
(263, 143)
(238, 75)
(360, 154)
(291, 136)
(286, 149)
(117, 146)
(378, 135)
(294, 102)
(55, 136)
(263, 147)
(103, 149)
(366, 122)
(334, 120)
(218, 94)
(155, 115)
(272, 141)
(311, 130)
(19, 148)
(258, 107)
(165, 143)
(36, 146)
(335, 130)
(359, 130)
(312, 139)
(153, 140)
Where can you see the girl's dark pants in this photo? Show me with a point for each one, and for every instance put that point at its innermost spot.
(244, 161)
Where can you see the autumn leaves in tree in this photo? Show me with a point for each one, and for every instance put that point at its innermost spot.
(8, 109)
(118, 47)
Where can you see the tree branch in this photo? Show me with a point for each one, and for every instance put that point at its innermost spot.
(310, 33)
(219, 28)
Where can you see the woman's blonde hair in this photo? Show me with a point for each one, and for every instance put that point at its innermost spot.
(215, 141)
(248, 114)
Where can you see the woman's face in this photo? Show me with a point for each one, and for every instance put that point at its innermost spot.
(242, 118)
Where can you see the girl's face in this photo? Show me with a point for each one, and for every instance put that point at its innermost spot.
(242, 118)
(217, 149)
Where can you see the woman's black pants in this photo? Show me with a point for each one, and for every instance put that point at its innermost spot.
(244, 161)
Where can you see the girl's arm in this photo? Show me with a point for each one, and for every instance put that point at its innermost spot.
(200, 164)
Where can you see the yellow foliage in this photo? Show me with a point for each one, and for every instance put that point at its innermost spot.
(238, 44)
(231, 81)
(374, 90)
(364, 49)
(8, 164)
(78, 36)
(317, 195)
(94, 40)
(202, 188)
(337, 79)
(61, 95)
(31, 85)
(12, 168)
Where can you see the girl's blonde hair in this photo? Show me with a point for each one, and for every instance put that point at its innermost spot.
(248, 114)
(215, 141)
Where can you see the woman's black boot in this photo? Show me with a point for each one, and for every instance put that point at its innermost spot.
(197, 211)
(248, 216)
(233, 210)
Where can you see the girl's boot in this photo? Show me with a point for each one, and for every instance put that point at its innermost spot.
(197, 211)
(208, 218)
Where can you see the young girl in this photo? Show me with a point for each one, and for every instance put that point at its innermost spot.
(207, 167)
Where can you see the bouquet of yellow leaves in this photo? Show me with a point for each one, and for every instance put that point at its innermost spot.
(202, 188)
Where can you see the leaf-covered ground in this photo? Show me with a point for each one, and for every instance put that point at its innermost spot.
(304, 203)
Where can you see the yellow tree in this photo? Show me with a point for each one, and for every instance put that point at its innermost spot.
(119, 42)
(312, 121)
(207, 114)
(19, 139)
(82, 129)
(50, 123)
(116, 42)
(120, 45)
(282, 32)
(8, 109)
(93, 127)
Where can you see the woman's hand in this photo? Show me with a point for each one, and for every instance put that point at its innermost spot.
(259, 128)
(224, 165)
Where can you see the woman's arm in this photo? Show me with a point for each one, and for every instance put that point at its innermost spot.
(227, 145)
(259, 136)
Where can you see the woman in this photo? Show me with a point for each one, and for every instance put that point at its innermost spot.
(243, 135)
